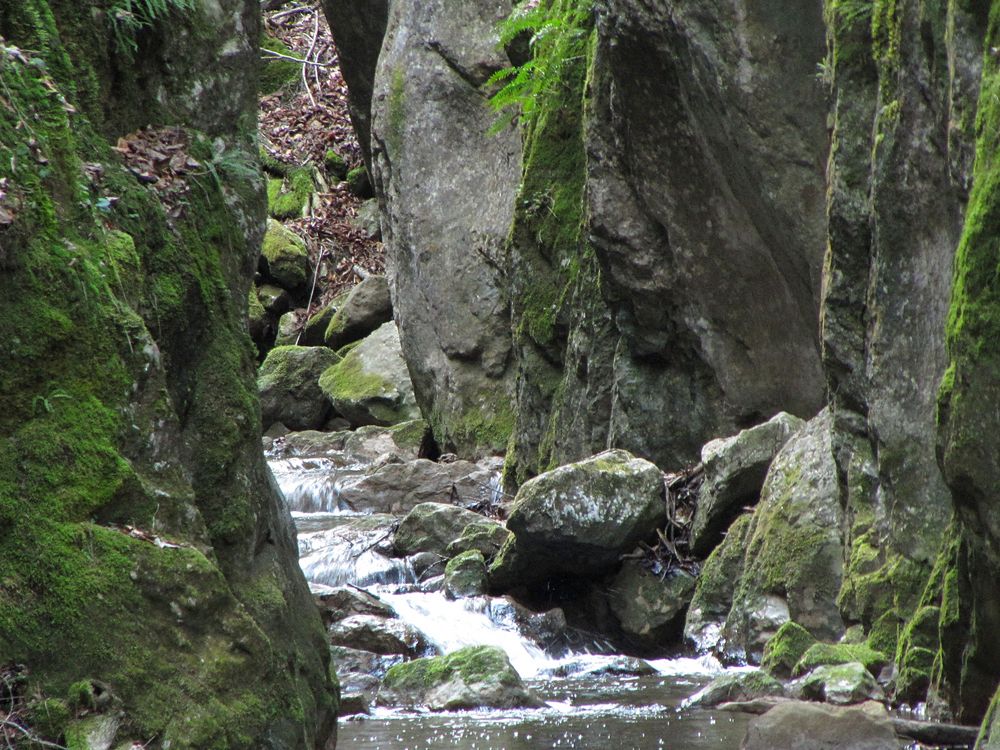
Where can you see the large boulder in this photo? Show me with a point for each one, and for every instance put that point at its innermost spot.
(399, 487)
(649, 609)
(288, 384)
(473, 677)
(806, 726)
(793, 558)
(367, 307)
(380, 635)
(841, 684)
(578, 519)
(430, 527)
(447, 188)
(371, 384)
(737, 686)
(735, 468)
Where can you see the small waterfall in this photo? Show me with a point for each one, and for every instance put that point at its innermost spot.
(314, 485)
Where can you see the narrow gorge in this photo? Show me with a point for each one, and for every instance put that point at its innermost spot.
(613, 361)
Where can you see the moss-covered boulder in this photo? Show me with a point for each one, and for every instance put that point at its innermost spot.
(143, 546)
(649, 609)
(371, 385)
(465, 575)
(785, 648)
(821, 654)
(578, 519)
(334, 164)
(289, 197)
(474, 677)
(739, 686)
(483, 535)
(315, 328)
(430, 527)
(284, 257)
(841, 684)
(366, 308)
(288, 384)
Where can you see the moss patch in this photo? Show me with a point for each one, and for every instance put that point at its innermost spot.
(822, 654)
(785, 648)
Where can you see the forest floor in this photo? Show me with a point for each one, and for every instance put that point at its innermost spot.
(298, 125)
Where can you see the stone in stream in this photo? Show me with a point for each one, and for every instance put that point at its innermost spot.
(430, 527)
(288, 384)
(785, 648)
(649, 609)
(367, 307)
(739, 686)
(399, 487)
(796, 725)
(465, 575)
(735, 468)
(371, 384)
(485, 535)
(620, 666)
(345, 601)
(473, 677)
(842, 684)
(378, 635)
(546, 629)
(578, 519)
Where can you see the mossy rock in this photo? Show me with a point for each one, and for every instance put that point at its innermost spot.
(483, 535)
(359, 183)
(289, 197)
(276, 73)
(430, 527)
(842, 684)
(286, 261)
(288, 384)
(371, 384)
(335, 164)
(465, 575)
(473, 677)
(367, 307)
(821, 654)
(315, 328)
(48, 718)
(785, 648)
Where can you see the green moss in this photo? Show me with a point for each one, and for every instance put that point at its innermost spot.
(348, 380)
(288, 198)
(335, 164)
(397, 112)
(410, 435)
(48, 718)
(277, 73)
(358, 181)
(785, 648)
(286, 256)
(472, 664)
(820, 654)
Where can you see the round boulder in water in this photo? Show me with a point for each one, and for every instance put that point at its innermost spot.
(806, 726)
(578, 519)
(465, 575)
(473, 677)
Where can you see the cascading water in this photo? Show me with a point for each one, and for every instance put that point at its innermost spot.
(591, 701)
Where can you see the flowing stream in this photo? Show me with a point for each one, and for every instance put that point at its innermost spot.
(591, 700)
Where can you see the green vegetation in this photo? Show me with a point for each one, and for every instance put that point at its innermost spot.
(823, 654)
(785, 648)
(130, 17)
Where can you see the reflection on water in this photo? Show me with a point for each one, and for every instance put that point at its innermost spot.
(591, 714)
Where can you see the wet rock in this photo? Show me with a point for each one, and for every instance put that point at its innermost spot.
(735, 468)
(547, 629)
(578, 519)
(842, 684)
(367, 307)
(274, 299)
(346, 601)
(428, 565)
(399, 487)
(649, 609)
(430, 527)
(284, 257)
(378, 635)
(288, 384)
(474, 677)
(288, 330)
(620, 666)
(371, 384)
(806, 726)
(741, 686)
(783, 651)
(465, 575)
(483, 535)
(794, 555)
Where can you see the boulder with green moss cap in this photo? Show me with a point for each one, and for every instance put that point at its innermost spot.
(783, 651)
(473, 677)
(465, 575)
(284, 258)
(288, 384)
(430, 527)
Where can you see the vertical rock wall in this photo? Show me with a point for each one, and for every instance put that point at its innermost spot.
(143, 544)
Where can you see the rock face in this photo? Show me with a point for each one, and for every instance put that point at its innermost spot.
(447, 211)
(735, 468)
(576, 520)
(371, 384)
(474, 677)
(128, 394)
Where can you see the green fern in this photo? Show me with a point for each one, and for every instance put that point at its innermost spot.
(558, 31)
(129, 17)
(850, 11)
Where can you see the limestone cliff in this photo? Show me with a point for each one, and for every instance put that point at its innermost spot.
(146, 557)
